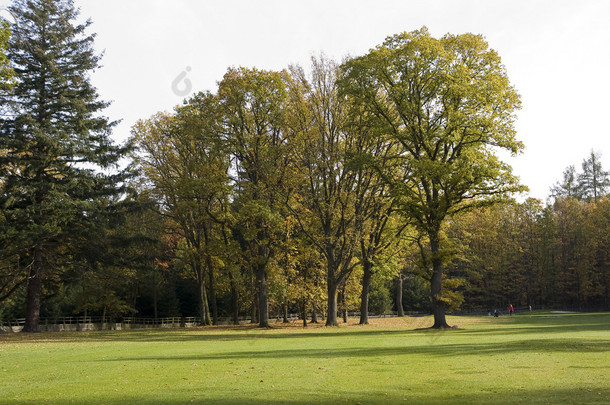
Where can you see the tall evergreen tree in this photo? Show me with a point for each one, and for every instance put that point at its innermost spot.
(58, 158)
(10, 277)
(594, 181)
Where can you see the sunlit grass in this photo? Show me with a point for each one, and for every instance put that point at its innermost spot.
(541, 358)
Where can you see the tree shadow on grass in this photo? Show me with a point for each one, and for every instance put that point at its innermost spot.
(197, 335)
(546, 324)
(590, 395)
(432, 349)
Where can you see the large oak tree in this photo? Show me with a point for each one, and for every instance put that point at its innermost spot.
(450, 107)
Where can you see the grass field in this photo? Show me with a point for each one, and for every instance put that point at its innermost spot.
(541, 358)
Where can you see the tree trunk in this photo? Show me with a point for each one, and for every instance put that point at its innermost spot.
(263, 304)
(344, 305)
(212, 287)
(304, 313)
(204, 309)
(438, 306)
(314, 313)
(364, 296)
(34, 293)
(400, 311)
(234, 299)
(254, 311)
(103, 325)
(155, 302)
(331, 319)
(285, 320)
(135, 292)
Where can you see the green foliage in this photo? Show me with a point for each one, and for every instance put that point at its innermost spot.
(380, 297)
(416, 295)
(185, 164)
(594, 182)
(530, 254)
(56, 147)
(7, 74)
(283, 190)
(447, 105)
(591, 184)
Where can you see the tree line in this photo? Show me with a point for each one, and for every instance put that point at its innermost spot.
(368, 184)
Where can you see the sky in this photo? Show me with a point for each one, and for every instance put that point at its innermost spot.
(556, 52)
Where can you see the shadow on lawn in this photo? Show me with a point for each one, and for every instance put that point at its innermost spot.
(441, 350)
(560, 323)
(590, 395)
(207, 335)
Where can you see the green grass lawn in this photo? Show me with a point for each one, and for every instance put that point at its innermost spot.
(541, 358)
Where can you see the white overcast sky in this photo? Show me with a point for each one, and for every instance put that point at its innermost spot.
(557, 54)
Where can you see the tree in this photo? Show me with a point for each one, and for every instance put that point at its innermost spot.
(594, 181)
(252, 104)
(327, 206)
(11, 276)
(569, 186)
(186, 165)
(55, 144)
(448, 104)
(374, 205)
(598, 230)
(379, 233)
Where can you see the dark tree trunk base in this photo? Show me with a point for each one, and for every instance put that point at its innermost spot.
(364, 295)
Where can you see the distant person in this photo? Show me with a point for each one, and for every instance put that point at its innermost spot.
(496, 313)
(510, 309)
(530, 308)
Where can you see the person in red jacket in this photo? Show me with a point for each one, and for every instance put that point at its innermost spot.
(510, 309)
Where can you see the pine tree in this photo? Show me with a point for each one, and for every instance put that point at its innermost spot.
(594, 181)
(58, 162)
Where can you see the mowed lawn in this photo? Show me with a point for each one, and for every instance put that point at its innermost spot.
(540, 358)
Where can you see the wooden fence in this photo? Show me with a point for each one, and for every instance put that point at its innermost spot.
(87, 323)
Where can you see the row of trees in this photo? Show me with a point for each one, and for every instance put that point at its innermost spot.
(281, 191)
(590, 184)
(290, 177)
(555, 256)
